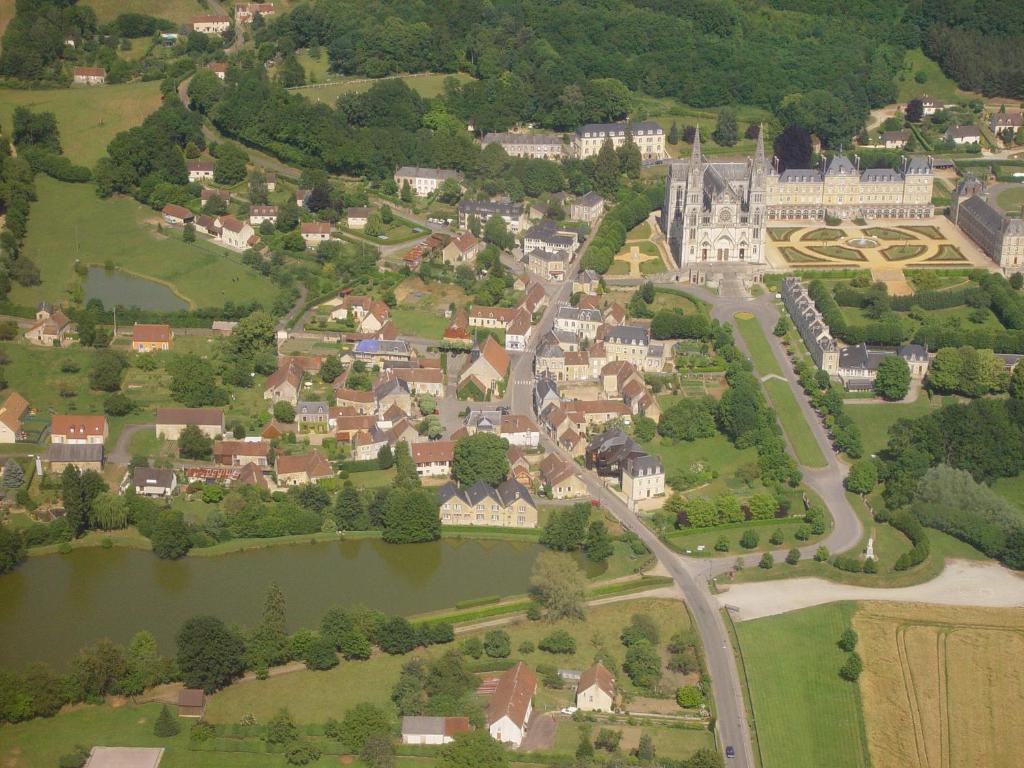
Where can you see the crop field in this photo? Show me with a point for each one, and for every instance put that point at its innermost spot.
(88, 118)
(426, 85)
(174, 10)
(942, 687)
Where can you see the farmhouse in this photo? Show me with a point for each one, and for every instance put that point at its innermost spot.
(548, 236)
(11, 411)
(244, 12)
(311, 412)
(519, 430)
(219, 68)
(1002, 121)
(236, 234)
(171, 422)
(90, 75)
(238, 453)
(78, 429)
(302, 469)
(595, 691)
(511, 704)
(895, 139)
(211, 24)
(548, 265)
(929, 105)
(581, 322)
(424, 181)
(52, 328)
(151, 337)
(283, 384)
(380, 350)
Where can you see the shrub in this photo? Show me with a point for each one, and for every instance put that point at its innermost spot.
(320, 655)
(821, 555)
(852, 667)
(848, 640)
(526, 646)
(608, 739)
(777, 537)
(793, 556)
(559, 641)
(473, 647)
(166, 724)
(767, 561)
(497, 644)
(689, 697)
(302, 753)
(749, 539)
(75, 759)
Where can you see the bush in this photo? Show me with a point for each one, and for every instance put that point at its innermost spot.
(559, 641)
(473, 647)
(526, 646)
(767, 561)
(302, 753)
(851, 668)
(689, 697)
(749, 539)
(821, 555)
(848, 640)
(777, 537)
(75, 759)
(608, 740)
(320, 655)
(793, 556)
(497, 644)
(166, 724)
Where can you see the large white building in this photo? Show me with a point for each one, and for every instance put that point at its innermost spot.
(649, 138)
(424, 181)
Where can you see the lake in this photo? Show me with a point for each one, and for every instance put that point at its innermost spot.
(53, 605)
(113, 288)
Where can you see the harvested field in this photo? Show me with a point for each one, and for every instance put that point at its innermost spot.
(942, 687)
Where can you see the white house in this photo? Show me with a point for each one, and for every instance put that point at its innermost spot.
(152, 482)
(511, 704)
(235, 233)
(260, 213)
(315, 232)
(432, 730)
(90, 75)
(199, 169)
(595, 691)
(424, 181)
(211, 24)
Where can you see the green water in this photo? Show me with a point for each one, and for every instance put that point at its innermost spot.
(53, 605)
(115, 288)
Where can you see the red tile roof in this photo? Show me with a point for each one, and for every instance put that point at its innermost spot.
(151, 332)
(495, 354)
(12, 410)
(433, 450)
(313, 464)
(512, 695)
(598, 675)
(78, 427)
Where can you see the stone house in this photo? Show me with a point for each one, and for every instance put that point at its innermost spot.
(507, 506)
(588, 208)
(151, 337)
(557, 473)
(648, 136)
(511, 704)
(283, 384)
(199, 170)
(433, 458)
(424, 181)
(462, 249)
(238, 453)
(11, 412)
(211, 24)
(419, 730)
(302, 469)
(84, 456)
(171, 422)
(52, 328)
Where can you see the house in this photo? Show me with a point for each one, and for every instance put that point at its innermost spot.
(223, 327)
(432, 730)
(930, 106)
(507, 506)
(588, 208)
(539, 146)
(517, 335)
(244, 12)
(962, 134)
(302, 469)
(424, 181)
(393, 392)
(153, 482)
(433, 458)
(491, 317)
(52, 328)
(238, 453)
(379, 350)
(895, 139)
(607, 453)
(11, 411)
(581, 322)
(311, 413)
(347, 427)
(82, 455)
(283, 384)
(151, 337)
(462, 249)
(271, 181)
(208, 224)
(545, 393)
(236, 234)
(301, 196)
(1000, 237)
(219, 68)
(366, 445)
(1002, 121)
(586, 281)
(643, 477)
(211, 24)
(78, 429)
(519, 431)
(576, 366)
(628, 342)
(89, 75)
(171, 422)
(315, 232)
(191, 702)
(198, 170)
(559, 474)
(518, 465)
(125, 757)
(356, 217)
(587, 414)
(483, 419)
(177, 215)
(421, 380)
(489, 364)
(595, 691)
(548, 236)
(535, 298)
(513, 214)
(361, 401)
(260, 213)
(649, 138)
(511, 705)
(547, 265)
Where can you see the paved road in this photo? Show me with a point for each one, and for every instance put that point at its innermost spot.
(121, 454)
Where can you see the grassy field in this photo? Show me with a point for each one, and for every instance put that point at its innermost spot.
(1011, 199)
(668, 741)
(88, 117)
(936, 85)
(641, 231)
(760, 350)
(715, 453)
(416, 321)
(807, 717)
(174, 10)
(70, 222)
(688, 540)
(667, 110)
(937, 688)
(794, 424)
(426, 85)
(875, 419)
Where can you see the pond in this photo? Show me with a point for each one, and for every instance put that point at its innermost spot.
(53, 605)
(114, 288)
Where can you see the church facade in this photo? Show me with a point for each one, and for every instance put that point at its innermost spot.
(717, 212)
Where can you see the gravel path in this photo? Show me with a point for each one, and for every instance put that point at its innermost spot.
(962, 582)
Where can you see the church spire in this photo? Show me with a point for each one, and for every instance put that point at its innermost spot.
(695, 154)
(759, 153)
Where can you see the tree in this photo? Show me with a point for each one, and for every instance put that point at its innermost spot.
(892, 381)
(726, 132)
(473, 749)
(385, 458)
(166, 724)
(330, 369)
(749, 539)
(281, 729)
(378, 751)
(188, 234)
(689, 419)
(767, 561)
(852, 668)
(480, 457)
(496, 233)
(12, 549)
(673, 134)
(848, 640)
(13, 474)
(258, 193)
(76, 506)
(643, 665)
(793, 147)
(170, 538)
(397, 636)
(793, 556)
(107, 368)
(781, 327)
(689, 697)
(229, 167)
(863, 477)
(606, 170)
(374, 225)
(193, 443)
(559, 585)
(350, 510)
(360, 723)
(118, 404)
(210, 656)
(598, 546)
(406, 475)
(406, 193)
(914, 111)
(608, 739)
(497, 644)
(645, 749)
(411, 516)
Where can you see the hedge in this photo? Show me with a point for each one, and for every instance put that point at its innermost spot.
(476, 602)
(366, 465)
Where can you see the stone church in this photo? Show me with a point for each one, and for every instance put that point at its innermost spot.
(716, 212)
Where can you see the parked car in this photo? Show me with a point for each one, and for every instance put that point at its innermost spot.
(730, 752)
(568, 710)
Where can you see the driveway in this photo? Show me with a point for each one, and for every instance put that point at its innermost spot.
(962, 582)
(121, 454)
(540, 733)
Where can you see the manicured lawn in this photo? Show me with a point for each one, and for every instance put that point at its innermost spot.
(874, 420)
(796, 256)
(375, 478)
(902, 252)
(618, 267)
(936, 85)
(641, 231)
(670, 298)
(933, 233)
(881, 233)
(838, 252)
(88, 117)
(688, 540)
(781, 234)
(426, 85)
(1011, 199)
(652, 266)
(70, 222)
(412, 321)
(825, 233)
(948, 252)
(714, 453)
(794, 424)
(807, 717)
(757, 344)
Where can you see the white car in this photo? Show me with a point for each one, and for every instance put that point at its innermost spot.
(568, 710)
